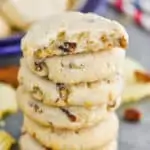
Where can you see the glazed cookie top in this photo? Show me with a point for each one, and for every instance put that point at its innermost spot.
(73, 32)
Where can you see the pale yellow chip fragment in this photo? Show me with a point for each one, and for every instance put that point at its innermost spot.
(8, 103)
(135, 89)
(130, 67)
(6, 141)
(136, 92)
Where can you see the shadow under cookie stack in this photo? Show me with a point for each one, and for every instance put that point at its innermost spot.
(71, 81)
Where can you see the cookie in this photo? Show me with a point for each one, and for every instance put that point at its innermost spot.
(73, 33)
(82, 94)
(87, 67)
(72, 118)
(27, 142)
(88, 138)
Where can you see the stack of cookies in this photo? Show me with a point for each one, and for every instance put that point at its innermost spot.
(71, 81)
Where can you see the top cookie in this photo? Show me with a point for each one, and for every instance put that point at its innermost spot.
(71, 33)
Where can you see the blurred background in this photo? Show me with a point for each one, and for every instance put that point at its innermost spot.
(16, 17)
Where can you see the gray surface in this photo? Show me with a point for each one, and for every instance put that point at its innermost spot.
(135, 136)
(132, 136)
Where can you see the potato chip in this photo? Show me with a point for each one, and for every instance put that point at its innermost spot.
(137, 81)
(6, 141)
(130, 67)
(135, 92)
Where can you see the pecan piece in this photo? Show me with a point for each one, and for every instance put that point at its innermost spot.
(36, 92)
(142, 76)
(38, 66)
(123, 42)
(69, 114)
(61, 86)
(68, 47)
(41, 67)
(132, 115)
(63, 91)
